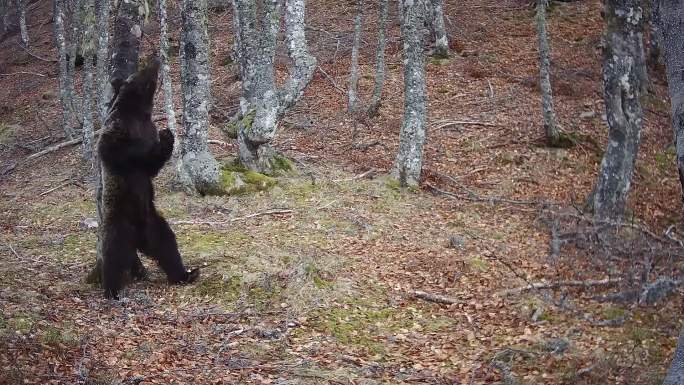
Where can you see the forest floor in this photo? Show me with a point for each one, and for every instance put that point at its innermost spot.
(334, 276)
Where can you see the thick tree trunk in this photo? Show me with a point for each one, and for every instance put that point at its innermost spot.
(89, 49)
(303, 63)
(622, 56)
(439, 29)
(379, 61)
(198, 171)
(102, 79)
(353, 99)
(65, 91)
(675, 375)
(408, 164)
(549, 116)
(671, 30)
(164, 49)
(124, 62)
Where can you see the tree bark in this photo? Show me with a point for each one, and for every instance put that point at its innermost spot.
(303, 63)
(675, 375)
(623, 54)
(21, 9)
(353, 99)
(65, 94)
(374, 105)
(164, 49)
(102, 79)
(549, 116)
(671, 30)
(198, 171)
(439, 29)
(408, 163)
(89, 49)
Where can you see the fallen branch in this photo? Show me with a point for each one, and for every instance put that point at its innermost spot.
(68, 182)
(555, 285)
(464, 123)
(331, 80)
(36, 56)
(59, 146)
(220, 223)
(472, 197)
(355, 177)
(220, 143)
(435, 298)
(24, 73)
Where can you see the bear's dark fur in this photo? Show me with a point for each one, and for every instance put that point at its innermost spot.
(132, 153)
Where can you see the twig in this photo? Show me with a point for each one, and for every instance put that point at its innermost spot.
(220, 143)
(24, 73)
(36, 56)
(355, 177)
(463, 123)
(476, 198)
(554, 285)
(219, 223)
(13, 251)
(59, 146)
(366, 146)
(68, 182)
(331, 80)
(435, 298)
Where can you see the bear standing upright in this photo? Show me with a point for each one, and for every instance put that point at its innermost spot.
(132, 153)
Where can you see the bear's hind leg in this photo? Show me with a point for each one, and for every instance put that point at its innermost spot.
(118, 255)
(160, 244)
(138, 270)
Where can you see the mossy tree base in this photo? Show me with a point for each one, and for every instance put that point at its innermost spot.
(237, 180)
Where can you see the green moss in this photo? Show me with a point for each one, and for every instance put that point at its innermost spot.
(259, 181)
(6, 133)
(236, 180)
(208, 243)
(223, 288)
(665, 159)
(231, 130)
(20, 324)
(56, 336)
(357, 327)
(478, 263)
(613, 313)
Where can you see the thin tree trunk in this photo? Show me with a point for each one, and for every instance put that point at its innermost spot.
(379, 61)
(353, 99)
(671, 31)
(65, 95)
(623, 54)
(549, 116)
(408, 164)
(73, 51)
(102, 80)
(21, 8)
(198, 171)
(164, 49)
(439, 29)
(89, 49)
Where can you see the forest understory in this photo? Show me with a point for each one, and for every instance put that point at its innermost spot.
(335, 275)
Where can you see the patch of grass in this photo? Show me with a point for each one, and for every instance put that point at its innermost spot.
(20, 324)
(357, 326)
(211, 243)
(237, 180)
(479, 263)
(55, 336)
(613, 313)
(225, 288)
(666, 159)
(6, 133)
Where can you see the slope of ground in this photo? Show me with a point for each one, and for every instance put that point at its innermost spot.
(316, 281)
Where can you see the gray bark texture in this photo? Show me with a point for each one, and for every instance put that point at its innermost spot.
(353, 99)
(198, 171)
(439, 29)
(89, 50)
(102, 79)
(165, 70)
(548, 114)
(409, 160)
(8, 20)
(261, 103)
(623, 53)
(73, 43)
(376, 99)
(66, 95)
(21, 9)
(675, 375)
(671, 30)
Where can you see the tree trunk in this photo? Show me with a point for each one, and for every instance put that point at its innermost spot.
(21, 9)
(89, 49)
(124, 62)
(353, 99)
(65, 94)
(549, 116)
(303, 63)
(675, 375)
(623, 54)
(73, 51)
(671, 30)
(408, 164)
(379, 61)
(102, 83)
(259, 100)
(439, 29)
(164, 49)
(198, 171)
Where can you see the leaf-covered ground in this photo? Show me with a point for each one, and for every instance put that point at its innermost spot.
(315, 281)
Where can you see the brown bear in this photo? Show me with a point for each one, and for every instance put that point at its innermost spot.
(132, 152)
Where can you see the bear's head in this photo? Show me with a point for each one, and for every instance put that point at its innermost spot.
(136, 94)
